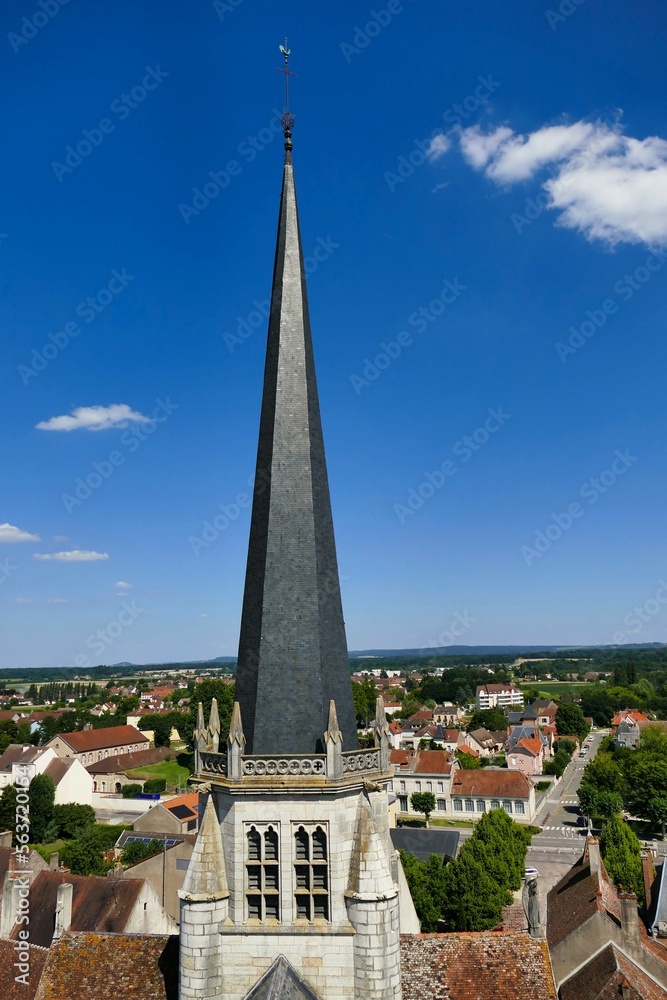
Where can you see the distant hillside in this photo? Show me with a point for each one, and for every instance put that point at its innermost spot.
(492, 650)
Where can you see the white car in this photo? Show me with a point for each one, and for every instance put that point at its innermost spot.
(530, 873)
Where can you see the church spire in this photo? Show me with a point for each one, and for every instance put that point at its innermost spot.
(292, 653)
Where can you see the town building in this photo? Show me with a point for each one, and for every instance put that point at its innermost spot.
(422, 771)
(479, 791)
(90, 745)
(20, 764)
(179, 814)
(111, 773)
(497, 696)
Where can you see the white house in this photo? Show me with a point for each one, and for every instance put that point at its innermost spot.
(497, 696)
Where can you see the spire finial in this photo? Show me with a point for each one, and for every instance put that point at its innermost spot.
(287, 120)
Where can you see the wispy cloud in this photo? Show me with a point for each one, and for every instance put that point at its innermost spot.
(94, 418)
(603, 183)
(9, 533)
(438, 146)
(57, 600)
(76, 555)
(123, 585)
(23, 600)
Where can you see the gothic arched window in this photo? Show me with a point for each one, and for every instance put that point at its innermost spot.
(311, 874)
(263, 874)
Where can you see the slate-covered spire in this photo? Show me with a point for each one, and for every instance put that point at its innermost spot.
(292, 653)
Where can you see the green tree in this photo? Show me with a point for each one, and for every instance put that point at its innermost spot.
(41, 794)
(473, 901)
(73, 819)
(137, 851)
(657, 812)
(84, 856)
(423, 802)
(466, 761)
(569, 746)
(570, 720)
(608, 804)
(621, 852)
(426, 882)
(488, 718)
(132, 789)
(604, 775)
(155, 785)
(8, 808)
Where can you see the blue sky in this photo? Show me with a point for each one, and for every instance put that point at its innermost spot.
(501, 168)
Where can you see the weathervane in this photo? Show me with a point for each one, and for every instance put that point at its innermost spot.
(287, 120)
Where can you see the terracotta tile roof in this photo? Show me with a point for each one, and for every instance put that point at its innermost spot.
(432, 762)
(496, 688)
(111, 967)
(58, 768)
(605, 975)
(18, 753)
(183, 806)
(533, 746)
(395, 727)
(400, 757)
(98, 904)
(9, 988)
(573, 901)
(100, 739)
(423, 715)
(486, 965)
(451, 735)
(464, 748)
(137, 758)
(629, 713)
(501, 783)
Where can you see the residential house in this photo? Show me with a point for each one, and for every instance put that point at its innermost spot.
(59, 901)
(592, 928)
(22, 763)
(627, 734)
(423, 771)
(448, 714)
(111, 773)
(529, 732)
(486, 744)
(165, 870)
(641, 718)
(479, 791)
(179, 814)
(526, 756)
(91, 745)
(497, 696)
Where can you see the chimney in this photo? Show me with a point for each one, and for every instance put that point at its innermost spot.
(63, 910)
(648, 873)
(10, 905)
(593, 845)
(54, 861)
(6, 838)
(629, 921)
(87, 726)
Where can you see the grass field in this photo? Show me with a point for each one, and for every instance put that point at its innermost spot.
(548, 689)
(171, 770)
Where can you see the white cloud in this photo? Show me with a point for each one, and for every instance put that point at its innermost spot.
(123, 585)
(23, 600)
(609, 186)
(57, 600)
(8, 533)
(94, 418)
(437, 147)
(76, 555)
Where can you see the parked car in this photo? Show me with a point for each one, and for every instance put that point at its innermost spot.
(582, 821)
(530, 873)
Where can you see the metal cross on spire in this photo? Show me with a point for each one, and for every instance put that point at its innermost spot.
(287, 120)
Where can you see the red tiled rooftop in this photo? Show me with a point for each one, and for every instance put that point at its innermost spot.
(485, 965)
(500, 783)
(100, 739)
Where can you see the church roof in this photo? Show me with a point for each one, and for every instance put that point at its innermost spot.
(281, 982)
(292, 651)
(483, 965)
(111, 967)
(206, 877)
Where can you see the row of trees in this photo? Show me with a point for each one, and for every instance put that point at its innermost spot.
(470, 893)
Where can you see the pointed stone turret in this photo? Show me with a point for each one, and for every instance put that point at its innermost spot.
(373, 910)
(292, 652)
(204, 908)
(199, 735)
(235, 744)
(333, 744)
(381, 733)
(214, 726)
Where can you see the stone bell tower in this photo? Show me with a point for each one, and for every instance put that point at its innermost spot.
(303, 899)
